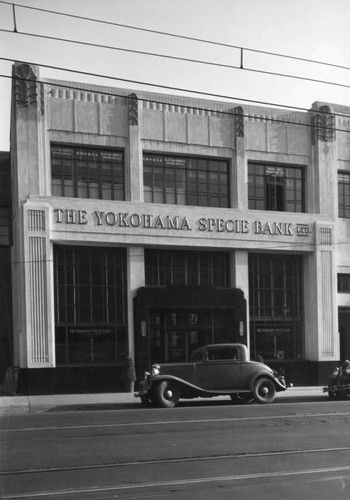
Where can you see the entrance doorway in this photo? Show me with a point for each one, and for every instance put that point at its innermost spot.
(176, 333)
(344, 333)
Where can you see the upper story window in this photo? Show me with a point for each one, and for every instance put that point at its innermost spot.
(83, 172)
(344, 194)
(275, 187)
(185, 181)
(344, 283)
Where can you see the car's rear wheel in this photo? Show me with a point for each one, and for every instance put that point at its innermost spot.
(242, 397)
(167, 394)
(331, 393)
(264, 391)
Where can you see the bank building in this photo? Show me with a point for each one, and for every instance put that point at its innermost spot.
(148, 225)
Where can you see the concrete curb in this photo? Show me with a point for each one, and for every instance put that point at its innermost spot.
(21, 405)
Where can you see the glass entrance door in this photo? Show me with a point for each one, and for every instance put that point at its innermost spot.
(175, 334)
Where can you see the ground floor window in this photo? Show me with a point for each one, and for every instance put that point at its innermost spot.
(275, 306)
(176, 267)
(90, 305)
(343, 283)
(175, 334)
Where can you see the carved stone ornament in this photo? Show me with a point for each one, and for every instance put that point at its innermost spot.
(133, 109)
(25, 86)
(324, 125)
(239, 121)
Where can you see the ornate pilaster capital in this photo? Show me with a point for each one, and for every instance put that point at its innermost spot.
(25, 86)
(323, 123)
(239, 121)
(133, 109)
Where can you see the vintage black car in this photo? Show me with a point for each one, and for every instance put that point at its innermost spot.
(339, 382)
(214, 370)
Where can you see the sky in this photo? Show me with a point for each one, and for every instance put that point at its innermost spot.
(316, 30)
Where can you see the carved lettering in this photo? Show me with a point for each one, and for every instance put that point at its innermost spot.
(274, 228)
(99, 216)
(59, 213)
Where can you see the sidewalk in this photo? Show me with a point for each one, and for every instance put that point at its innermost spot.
(21, 405)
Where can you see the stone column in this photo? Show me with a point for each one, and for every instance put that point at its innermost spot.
(136, 279)
(135, 255)
(240, 173)
(33, 325)
(322, 176)
(134, 156)
(321, 318)
(240, 279)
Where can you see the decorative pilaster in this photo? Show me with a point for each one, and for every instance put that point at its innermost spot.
(320, 309)
(323, 125)
(38, 288)
(25, 86)
(239, 121)
(133, 109)
(322, 197)
(239, 188)
(134, 159)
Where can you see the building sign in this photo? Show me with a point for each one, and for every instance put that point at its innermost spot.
(179, 223)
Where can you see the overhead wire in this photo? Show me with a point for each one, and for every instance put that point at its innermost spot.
(168, 56)
(176, 35)
(178, 58)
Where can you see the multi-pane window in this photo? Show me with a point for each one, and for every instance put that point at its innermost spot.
(165, 267)
(185, 181)
(275, 187)
(82, 172)
(275, 304)
(344, 283)
(344, 194)
(274, 283)
(90, 304)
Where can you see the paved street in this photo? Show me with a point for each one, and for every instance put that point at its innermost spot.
(290, 449)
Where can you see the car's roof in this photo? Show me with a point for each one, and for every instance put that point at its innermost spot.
(220, 346)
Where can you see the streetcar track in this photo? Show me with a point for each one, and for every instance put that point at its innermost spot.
(177, 482)
(171, 422)
(174, 460)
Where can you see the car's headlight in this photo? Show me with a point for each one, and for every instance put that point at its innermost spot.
(155, 370)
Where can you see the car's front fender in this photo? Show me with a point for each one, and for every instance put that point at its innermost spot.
(280, 384)
(184, 385)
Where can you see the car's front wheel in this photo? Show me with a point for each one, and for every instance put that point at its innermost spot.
(167, 394)
(264, 391)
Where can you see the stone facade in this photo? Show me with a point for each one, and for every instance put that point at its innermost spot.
(77, 114)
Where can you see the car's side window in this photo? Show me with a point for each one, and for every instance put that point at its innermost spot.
(223, 354)
(198, 356)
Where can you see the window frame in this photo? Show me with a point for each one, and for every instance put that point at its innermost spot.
(343, 207)
(74, 173)
(90, 298)
(177, 267)
(273, 196)
(196, 180)
(343, 282)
